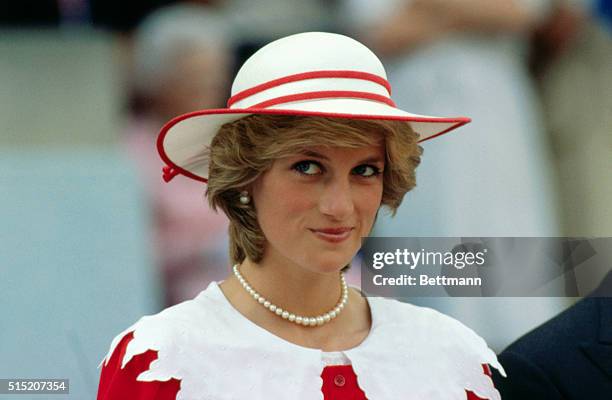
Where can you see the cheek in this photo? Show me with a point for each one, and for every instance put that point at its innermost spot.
(368, 205)
(282, 210)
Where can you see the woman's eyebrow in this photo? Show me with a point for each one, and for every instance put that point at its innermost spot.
(372, 160)
(312, 153)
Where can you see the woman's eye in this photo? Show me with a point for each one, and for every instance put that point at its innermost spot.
(308, 168)
(367, 171)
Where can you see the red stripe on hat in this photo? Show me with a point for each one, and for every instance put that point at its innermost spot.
(309, 75)
(324, 94)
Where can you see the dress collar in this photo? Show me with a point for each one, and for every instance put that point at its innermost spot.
(214, 292)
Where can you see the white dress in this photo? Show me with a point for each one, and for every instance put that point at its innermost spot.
(217, 353)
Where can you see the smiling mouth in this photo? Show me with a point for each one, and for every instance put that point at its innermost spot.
(333, 235)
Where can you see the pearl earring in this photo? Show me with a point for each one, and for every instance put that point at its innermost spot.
(244, 197)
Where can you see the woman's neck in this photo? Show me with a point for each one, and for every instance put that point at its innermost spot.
(301, 295)
(293, 288)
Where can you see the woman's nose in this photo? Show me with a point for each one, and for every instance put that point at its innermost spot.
(336, 200)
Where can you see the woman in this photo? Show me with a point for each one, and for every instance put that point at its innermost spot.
(309, 149)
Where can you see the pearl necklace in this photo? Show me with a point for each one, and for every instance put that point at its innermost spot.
(298, 319)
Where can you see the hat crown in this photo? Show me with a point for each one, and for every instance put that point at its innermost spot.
(303, 53)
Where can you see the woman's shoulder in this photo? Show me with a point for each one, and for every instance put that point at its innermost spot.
(117, 381)
(128, 369)
(430, 325)
(169, 327)
(148, 355)
(442, 347)
(426, 321)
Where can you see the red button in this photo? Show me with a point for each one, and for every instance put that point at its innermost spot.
(339, 380)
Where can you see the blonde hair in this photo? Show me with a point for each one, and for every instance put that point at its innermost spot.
(244, 149)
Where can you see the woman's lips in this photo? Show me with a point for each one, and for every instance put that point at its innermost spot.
(333, 235)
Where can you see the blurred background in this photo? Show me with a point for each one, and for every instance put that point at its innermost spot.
(91, 238)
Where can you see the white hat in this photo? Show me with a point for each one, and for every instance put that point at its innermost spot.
(310, 74)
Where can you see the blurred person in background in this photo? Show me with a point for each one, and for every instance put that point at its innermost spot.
(469, 57)
(182, 61)
(573, 65)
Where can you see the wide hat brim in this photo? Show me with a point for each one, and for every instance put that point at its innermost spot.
(184, 139)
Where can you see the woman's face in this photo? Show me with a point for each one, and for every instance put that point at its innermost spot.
(314, 207)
